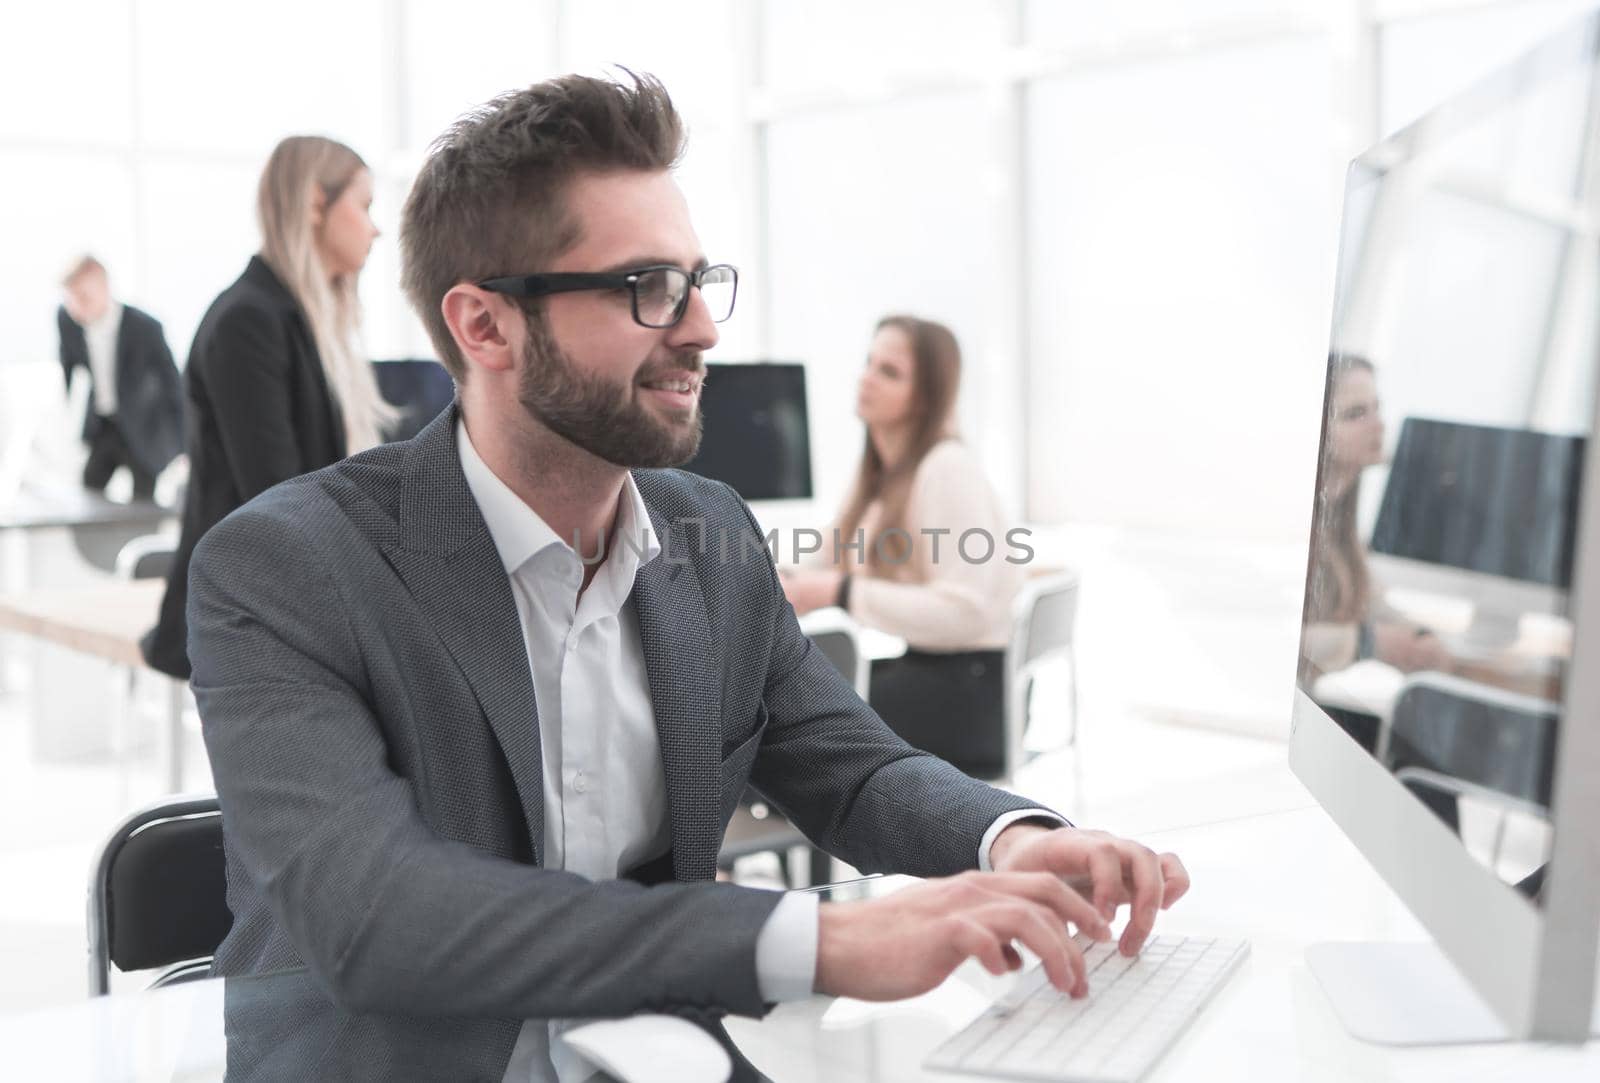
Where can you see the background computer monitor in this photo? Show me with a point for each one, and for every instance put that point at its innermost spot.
(418, 387)
(1484, 513)
(757, 434)
(1465, 259)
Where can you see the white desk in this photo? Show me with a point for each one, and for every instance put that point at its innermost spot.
(1284, 879)
(104, 621)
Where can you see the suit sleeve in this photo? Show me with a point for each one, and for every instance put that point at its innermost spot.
(68, 333)
(387, 913)
(248, 372)
(844, 778)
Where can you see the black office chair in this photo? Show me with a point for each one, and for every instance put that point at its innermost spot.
(1448, 738)
(158, 894)
(756, 827)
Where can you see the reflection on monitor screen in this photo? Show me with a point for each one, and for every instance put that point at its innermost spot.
(756, 435)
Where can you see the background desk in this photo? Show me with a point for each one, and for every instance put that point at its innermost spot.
(105, 621)
(1284, 879)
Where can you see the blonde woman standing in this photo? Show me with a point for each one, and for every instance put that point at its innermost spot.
(277, 382)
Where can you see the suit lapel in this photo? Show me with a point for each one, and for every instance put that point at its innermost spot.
(449, 563)
(685, 676)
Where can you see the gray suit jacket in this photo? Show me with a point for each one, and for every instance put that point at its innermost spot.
(369, 713)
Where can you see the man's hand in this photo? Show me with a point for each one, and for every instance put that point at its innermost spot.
(904, 944)
(1102, 867)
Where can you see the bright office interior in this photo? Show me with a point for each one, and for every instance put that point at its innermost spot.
(1128, 214)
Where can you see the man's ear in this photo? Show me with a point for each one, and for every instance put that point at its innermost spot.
(486, 326)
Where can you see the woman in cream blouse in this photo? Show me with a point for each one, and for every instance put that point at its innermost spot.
(934, 565)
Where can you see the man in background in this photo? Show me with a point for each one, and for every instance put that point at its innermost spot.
(135, 412)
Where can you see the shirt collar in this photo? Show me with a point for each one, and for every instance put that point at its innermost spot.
(109, 319)
(520, 534)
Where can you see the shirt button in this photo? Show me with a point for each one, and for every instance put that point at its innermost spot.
(580, 782)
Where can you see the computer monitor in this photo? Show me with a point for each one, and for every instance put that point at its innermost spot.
(1465, 296)
(1455, 520)
(418, 387)
(757, 434)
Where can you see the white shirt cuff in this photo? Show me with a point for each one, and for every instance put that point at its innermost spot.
(1006, 821)
(786, 949)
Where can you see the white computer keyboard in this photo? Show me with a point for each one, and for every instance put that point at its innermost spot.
(1135, 1009)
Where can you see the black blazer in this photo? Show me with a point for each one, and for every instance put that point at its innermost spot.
(149, 390)
(260, 412)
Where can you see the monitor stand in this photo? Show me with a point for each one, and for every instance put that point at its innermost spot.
(1405, 994)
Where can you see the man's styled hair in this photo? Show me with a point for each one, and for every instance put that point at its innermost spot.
(490, 199)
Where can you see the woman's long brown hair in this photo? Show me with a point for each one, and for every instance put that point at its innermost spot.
(935, 379)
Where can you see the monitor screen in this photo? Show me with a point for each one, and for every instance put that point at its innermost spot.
(1459, 391)
(1465, 496)
(756, 435)
(418, 388)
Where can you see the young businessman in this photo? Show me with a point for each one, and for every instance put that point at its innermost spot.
(135, 412)
(473, 772)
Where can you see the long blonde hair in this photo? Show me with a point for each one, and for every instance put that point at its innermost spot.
(300, 166)
(935, 380)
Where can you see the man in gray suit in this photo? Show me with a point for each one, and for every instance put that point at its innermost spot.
(474, 777)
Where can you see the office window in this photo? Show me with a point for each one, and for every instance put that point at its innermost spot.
(858, 48)
(64, 72)
(215, 81)
(60, 204)
(451, 66)
(871, 211)
(1180, 277)
(1078, 23)
(695, 50)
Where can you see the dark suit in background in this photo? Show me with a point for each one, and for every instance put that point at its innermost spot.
(260, 412)
(146, 432)
(369, 711)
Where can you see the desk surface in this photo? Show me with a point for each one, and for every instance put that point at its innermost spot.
(1284, 879)
(105, 620)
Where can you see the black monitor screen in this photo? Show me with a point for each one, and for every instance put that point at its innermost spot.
(1498, 501)
(756, 430)
(419, 388)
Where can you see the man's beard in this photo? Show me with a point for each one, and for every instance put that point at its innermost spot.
(604, 419)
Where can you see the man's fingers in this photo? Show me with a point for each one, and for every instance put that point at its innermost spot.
(1041, 933)
(1143, 869)
(1174, 880)
(1105, 871)
(972, 938)
(1049, 890)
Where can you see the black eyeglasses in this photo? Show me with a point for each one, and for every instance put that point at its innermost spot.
(660, 293)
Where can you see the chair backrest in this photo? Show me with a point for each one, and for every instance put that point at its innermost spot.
(842, 647)
(1042, 620)
(158, 892)
(1489, 738)
(148, 556)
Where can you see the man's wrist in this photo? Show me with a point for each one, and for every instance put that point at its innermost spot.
(1014, 834)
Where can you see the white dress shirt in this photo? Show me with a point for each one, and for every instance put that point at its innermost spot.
(101, 339)
(605, 791)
